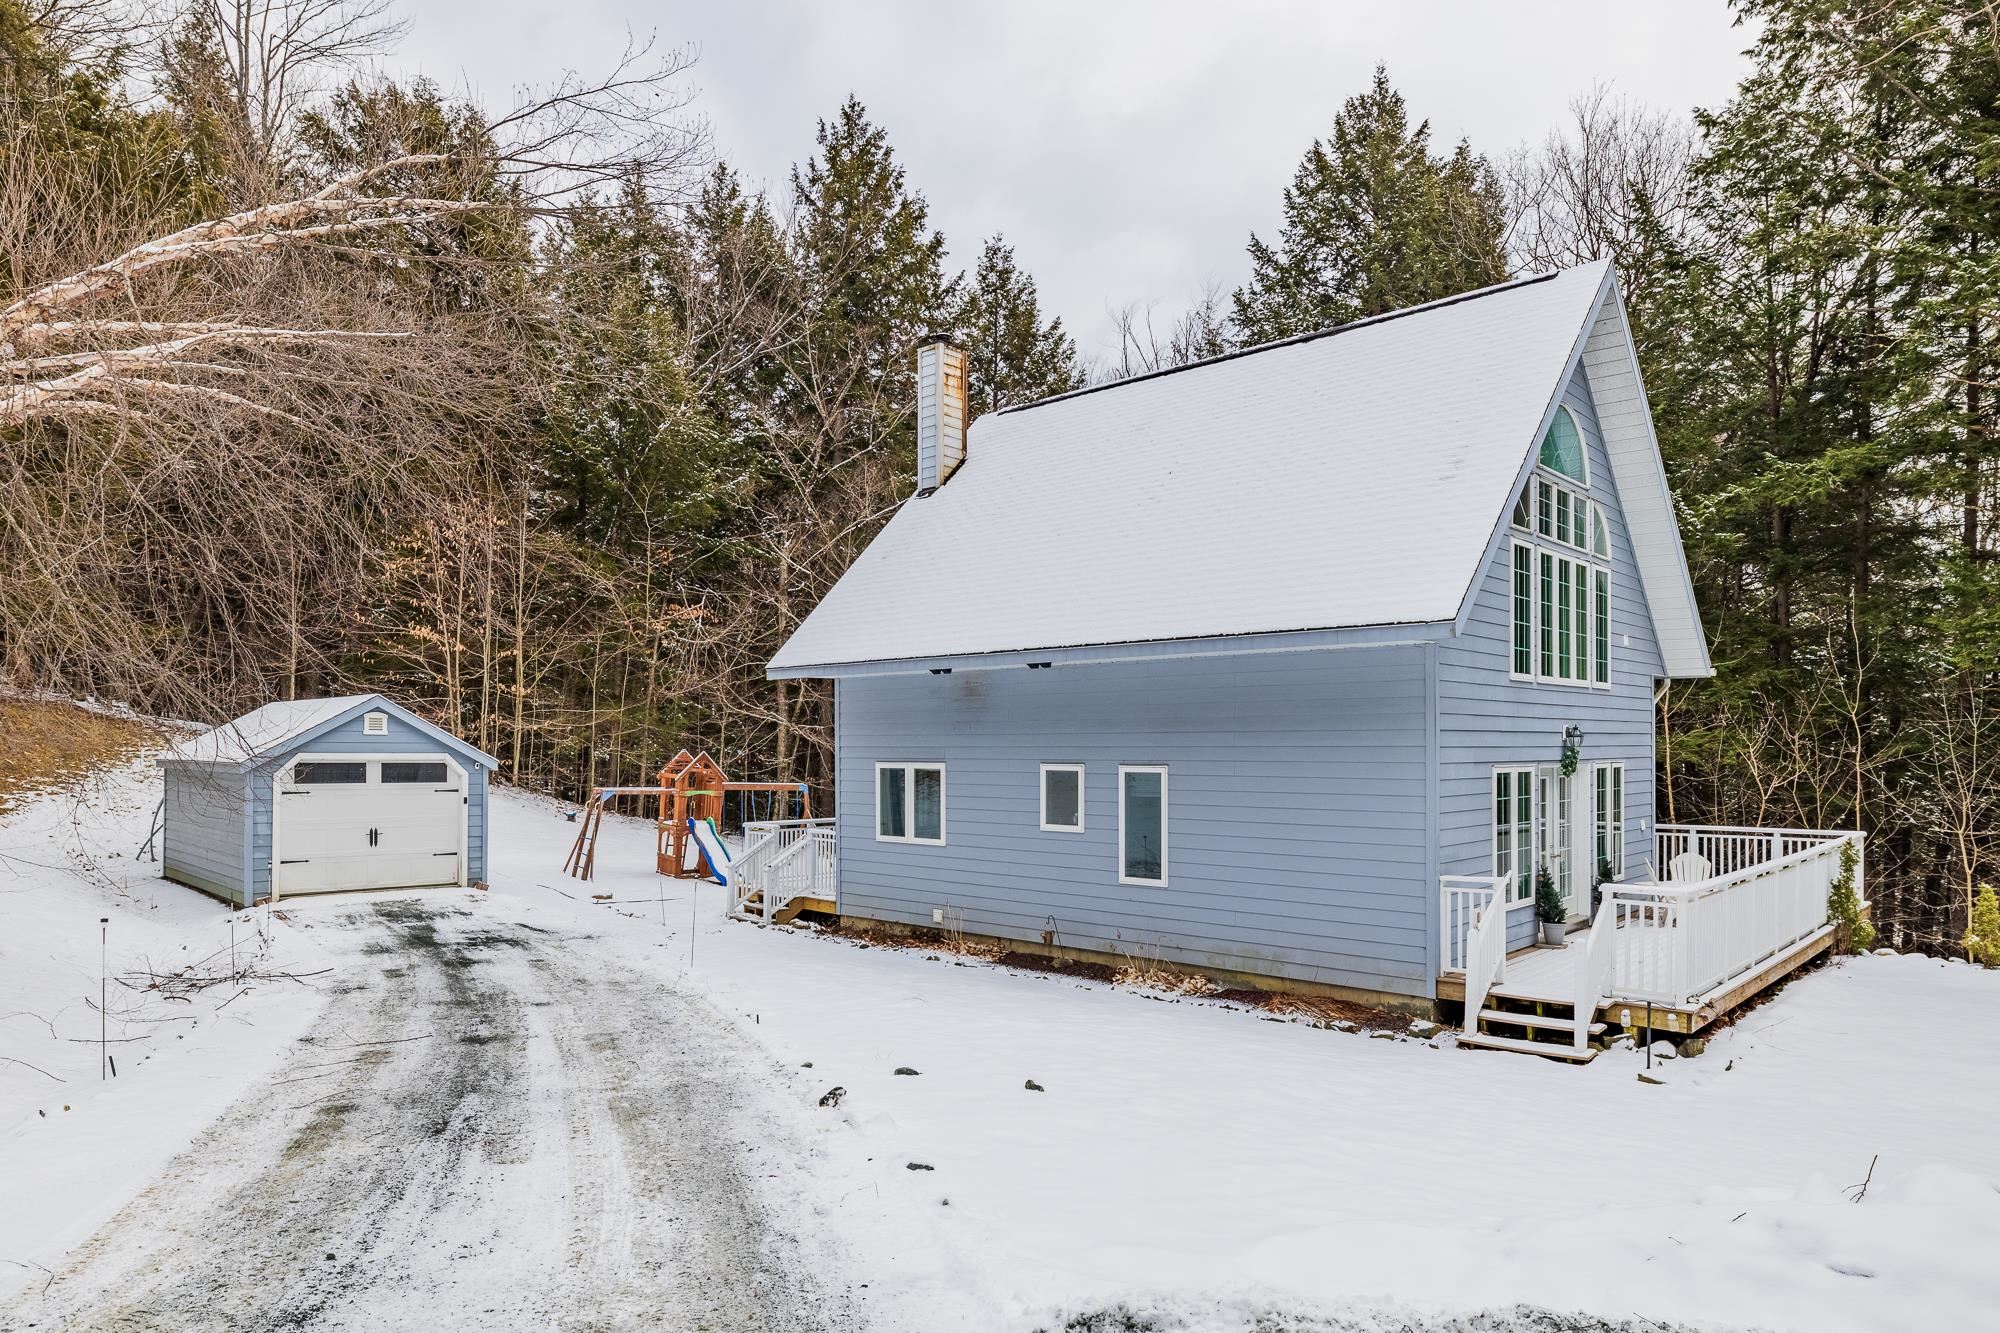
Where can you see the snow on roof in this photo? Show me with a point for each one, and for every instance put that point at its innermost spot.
(1344, 479)
(266, 729)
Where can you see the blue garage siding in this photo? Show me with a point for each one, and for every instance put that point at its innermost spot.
(201, 843)
(1299, 809)
(1487, 719)
(347, 738)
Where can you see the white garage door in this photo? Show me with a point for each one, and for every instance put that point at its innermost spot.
(369, 824)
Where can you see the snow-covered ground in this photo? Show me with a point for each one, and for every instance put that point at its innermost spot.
(76, 902)
(1194, 1162)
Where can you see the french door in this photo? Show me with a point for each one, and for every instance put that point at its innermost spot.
(1556, 833)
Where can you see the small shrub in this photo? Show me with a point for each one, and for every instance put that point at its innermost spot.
(1982, 932)
(1852, 933)
(1549, 905)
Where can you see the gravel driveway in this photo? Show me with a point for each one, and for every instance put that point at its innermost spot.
(489, 1129)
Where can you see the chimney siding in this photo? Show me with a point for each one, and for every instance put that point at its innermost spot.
(941, 412)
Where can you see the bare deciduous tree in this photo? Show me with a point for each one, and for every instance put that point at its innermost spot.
(1599, 187)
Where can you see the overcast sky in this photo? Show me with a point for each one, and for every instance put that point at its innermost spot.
(1125, 150)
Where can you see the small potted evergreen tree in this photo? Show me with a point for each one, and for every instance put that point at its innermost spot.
(1549, 906)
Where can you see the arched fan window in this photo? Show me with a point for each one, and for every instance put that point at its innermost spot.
(1562, 447)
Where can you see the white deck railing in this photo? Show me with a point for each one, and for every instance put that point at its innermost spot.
(1673, 942)
(783, 860)
(1676, 942)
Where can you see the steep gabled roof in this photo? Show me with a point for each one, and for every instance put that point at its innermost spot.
(1345, 479)
(279, 727)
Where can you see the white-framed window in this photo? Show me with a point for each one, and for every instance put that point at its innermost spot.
(1062, 798)
(909, 802)
(1559, 610)
(1562, 448)
(1608, 823)
(1142, 824)
(1514, 830)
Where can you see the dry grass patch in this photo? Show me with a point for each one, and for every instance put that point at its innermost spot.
(47, 744)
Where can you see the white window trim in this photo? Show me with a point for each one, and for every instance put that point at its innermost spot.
(909, 767)
(1582, 440)
(1042, 779)
(1591, 567)
(1119, 850)
(1519, 772)
(1615, 825)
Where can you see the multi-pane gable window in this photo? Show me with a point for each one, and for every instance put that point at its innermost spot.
(1559, 592)
(1562, 447)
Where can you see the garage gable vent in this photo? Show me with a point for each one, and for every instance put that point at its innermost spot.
(375, 724)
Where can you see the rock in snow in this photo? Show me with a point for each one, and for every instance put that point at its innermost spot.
(1033, 1086)
(905, 1069)
(832, 1096)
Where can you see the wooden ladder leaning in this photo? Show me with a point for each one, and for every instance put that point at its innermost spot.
(582, 862)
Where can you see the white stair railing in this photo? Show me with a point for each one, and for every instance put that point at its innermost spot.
(1594, 963)
(1474, 923)
(781, 861)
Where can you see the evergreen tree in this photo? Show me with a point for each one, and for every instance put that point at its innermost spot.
(1982, 933)
(1818, 355)
(1012, 355)
(631, 462)
(874, 265)
(1373, 221)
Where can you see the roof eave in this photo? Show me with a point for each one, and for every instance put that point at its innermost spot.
(1226, 645)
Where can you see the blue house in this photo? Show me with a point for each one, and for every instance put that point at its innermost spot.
(323, 795)
(1299, 667)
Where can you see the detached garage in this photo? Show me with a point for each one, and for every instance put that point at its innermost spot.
(320, 796)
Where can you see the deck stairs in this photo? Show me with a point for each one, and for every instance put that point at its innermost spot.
(1531, 1025)
(753, 905)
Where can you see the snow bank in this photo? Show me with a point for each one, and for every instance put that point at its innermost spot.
(1184, 1150)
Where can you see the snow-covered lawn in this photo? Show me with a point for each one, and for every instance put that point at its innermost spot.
(1183, 1147)
(1189, 1159)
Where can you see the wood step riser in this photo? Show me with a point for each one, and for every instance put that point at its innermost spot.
(1549, 1050)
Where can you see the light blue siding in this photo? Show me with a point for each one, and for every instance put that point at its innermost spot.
(1299, 809)
(1486, 719)
(201, 841)
(1315, 796)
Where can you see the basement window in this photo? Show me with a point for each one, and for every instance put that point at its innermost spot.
(1062, 798)
(909, 803)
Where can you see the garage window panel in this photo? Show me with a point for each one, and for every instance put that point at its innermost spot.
(401, 771)
(322, 772)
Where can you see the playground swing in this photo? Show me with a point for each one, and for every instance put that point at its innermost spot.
(691, 792)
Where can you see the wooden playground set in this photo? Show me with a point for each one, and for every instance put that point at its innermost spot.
(692, 794)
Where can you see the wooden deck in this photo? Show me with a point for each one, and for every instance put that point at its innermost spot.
(1546, 975)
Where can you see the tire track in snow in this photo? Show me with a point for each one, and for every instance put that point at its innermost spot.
(486, 1131)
